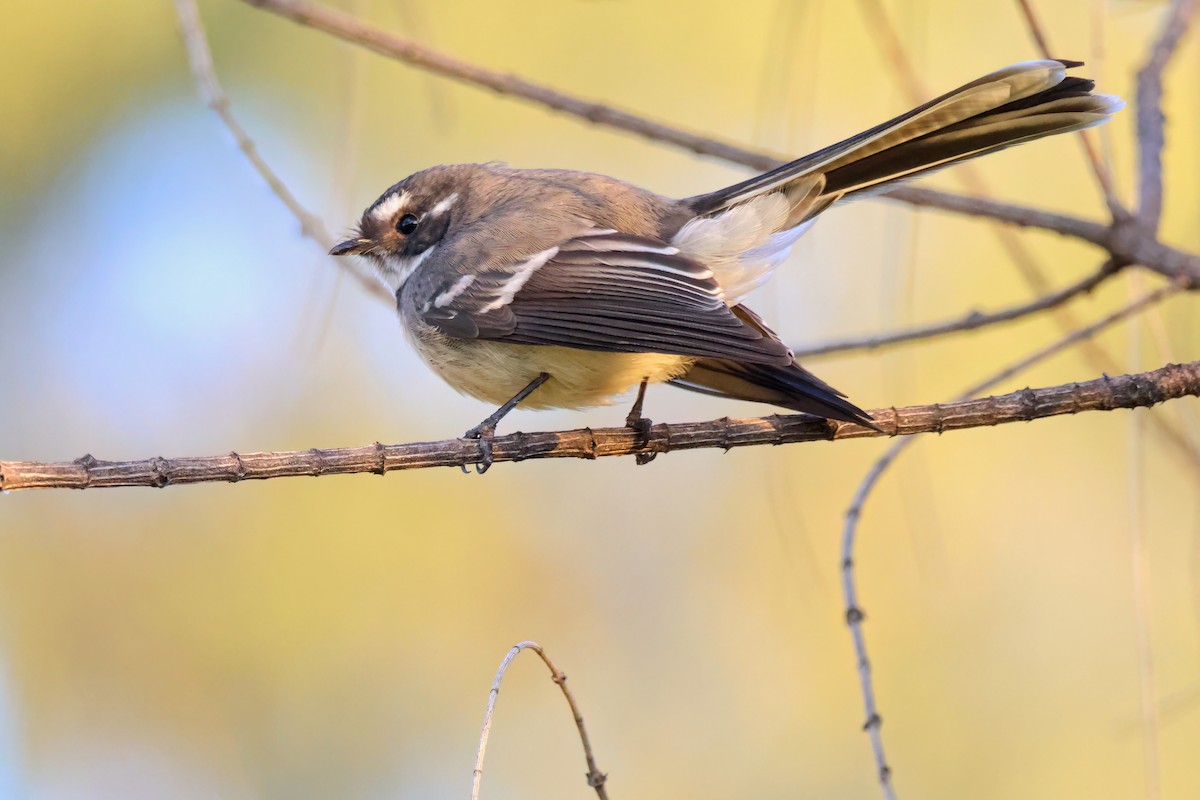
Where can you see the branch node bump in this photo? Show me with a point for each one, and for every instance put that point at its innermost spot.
(239, 467)
(160, 467)
(1028, 400)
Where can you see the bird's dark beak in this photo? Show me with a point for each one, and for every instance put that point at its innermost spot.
(351, 247)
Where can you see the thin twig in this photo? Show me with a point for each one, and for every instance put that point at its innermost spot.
(854, 613)
(1139, 568)
(595, 778)
(200, 59)
(1099, 168)
(970, 322)
(1103, 394)
(1150, 117)
(1035, 28)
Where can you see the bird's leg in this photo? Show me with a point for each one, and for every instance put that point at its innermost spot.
(640, 424)
(486, 430)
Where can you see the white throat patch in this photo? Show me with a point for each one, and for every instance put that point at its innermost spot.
(394, 271)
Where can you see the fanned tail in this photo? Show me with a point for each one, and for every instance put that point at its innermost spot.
(1017, 104)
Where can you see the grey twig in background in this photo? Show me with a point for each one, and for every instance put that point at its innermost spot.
(595, 778)
(1099, 168)
(1151, 139)
(1103, 394)
(200, 58)
(854, 612)
(1150, 118)
(970, 322)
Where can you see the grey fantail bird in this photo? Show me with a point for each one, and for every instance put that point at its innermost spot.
(556, 288)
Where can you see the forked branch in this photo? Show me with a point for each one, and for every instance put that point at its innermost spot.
(595, 778)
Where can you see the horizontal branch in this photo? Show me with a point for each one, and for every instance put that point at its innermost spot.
(1104, 394)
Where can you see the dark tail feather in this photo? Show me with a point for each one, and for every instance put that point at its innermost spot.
(1016, 104)
(787, 387)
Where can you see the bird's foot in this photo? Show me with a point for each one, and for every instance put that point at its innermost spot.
(485, 431)
(484, 434)
(641, 426)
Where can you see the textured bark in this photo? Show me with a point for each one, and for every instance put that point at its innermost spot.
(1104, 394)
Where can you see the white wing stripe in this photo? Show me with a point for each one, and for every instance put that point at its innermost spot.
(521, 275)
(447, 297)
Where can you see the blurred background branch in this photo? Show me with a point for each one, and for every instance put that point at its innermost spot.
(972, 321)
(311, 225)
(595, 778)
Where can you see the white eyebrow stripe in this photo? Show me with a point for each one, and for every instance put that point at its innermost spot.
(447, 297)
(388, 208)
(443, 206)
(521, 275)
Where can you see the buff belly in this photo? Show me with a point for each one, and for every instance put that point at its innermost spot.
(495, 371)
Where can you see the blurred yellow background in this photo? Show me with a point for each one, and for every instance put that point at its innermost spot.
(336, 637)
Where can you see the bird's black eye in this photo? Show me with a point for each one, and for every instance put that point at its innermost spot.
(407, 224)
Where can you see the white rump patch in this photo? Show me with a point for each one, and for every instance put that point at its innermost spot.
(388, 208)
(741, 245)
(521, 275)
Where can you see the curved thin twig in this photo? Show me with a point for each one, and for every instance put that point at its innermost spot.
(595, 778)
(970, 322)
(1150, 135)
(1099, 168)
(853, 612)
(200, 60)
